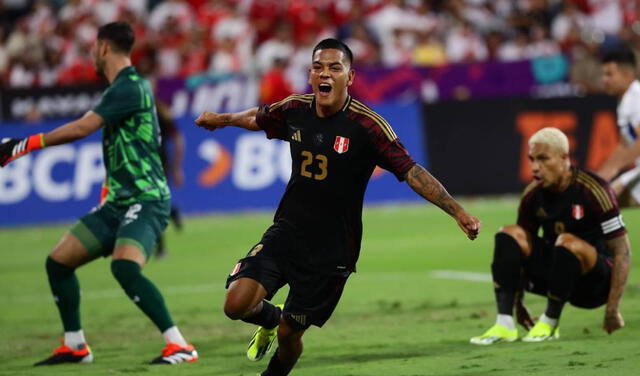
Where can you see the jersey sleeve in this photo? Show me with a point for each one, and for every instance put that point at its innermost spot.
(605, 209)
(389, 152)
(118, 103)
(271, 119)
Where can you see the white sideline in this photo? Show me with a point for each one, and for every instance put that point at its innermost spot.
(461, 276)
(197, 289)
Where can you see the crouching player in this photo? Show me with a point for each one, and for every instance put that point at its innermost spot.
(583, 256)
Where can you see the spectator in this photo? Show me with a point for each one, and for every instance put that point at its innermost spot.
(226, 60)
(540, 44)
(516, 48)
(4, 53)
(280, 46)
(465, 45)
(105, 11)
(178, 11)
(365, 49)
(570, 17)
(274, 85)
(429, 51)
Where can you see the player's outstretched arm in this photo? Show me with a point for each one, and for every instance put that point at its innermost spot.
(213, 120)
(423, 183)
(15, 148)
(622, 157)
(621, 263)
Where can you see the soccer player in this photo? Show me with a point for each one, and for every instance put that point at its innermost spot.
(619, 80)
(583, 256)
(135, 211)
(313, 245)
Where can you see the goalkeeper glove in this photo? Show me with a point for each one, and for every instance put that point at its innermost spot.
(13, 148)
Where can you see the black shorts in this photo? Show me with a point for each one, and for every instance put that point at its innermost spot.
(592, 289)
(279, 260)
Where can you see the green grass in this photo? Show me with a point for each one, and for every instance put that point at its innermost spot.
(394, 317)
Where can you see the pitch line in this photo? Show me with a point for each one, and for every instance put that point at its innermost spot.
(461, 276)
(202, 288)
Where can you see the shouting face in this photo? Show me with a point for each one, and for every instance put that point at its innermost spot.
(330, 76)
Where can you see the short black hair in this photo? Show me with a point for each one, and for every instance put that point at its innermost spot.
(119, 34)
(334, 44)
(621, 56)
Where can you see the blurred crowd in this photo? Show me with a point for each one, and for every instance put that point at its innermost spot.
(46, 43)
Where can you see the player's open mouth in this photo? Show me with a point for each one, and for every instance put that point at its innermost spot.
(324, 89)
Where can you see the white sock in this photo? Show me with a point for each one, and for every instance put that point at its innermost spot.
(549, 320)
(173, 335)
(74, 339)
(506, 321)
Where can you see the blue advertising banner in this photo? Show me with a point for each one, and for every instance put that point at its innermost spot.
(227, 170)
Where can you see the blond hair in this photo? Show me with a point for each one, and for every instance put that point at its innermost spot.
(553, 137)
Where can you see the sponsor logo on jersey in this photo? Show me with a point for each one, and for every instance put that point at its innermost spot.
(341, 145)
(577, 212)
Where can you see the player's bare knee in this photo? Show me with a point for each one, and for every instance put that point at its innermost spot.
(288, 335)
(235, 309)
(518, 234)
(514, 231)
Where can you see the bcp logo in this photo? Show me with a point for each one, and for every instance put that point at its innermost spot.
(220, 162)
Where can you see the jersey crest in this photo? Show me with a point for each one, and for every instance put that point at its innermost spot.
(577, 212)
(341, 145)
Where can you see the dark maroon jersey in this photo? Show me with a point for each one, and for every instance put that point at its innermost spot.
(587, 209)
(333, 159)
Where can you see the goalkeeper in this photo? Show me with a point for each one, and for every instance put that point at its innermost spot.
(136, 209)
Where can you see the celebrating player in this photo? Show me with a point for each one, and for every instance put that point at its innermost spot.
(136, 209)
(582, 258)
(313, 245)
(619, 80)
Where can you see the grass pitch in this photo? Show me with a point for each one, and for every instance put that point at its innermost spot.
(403, 313)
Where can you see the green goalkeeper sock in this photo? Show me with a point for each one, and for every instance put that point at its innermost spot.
(143, 292)
(66, 292)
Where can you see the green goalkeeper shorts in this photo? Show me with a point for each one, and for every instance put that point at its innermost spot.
(139, 224)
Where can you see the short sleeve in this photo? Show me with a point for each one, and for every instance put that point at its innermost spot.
(271, 119)
(608, 215)
(118, 103)
(389, 151)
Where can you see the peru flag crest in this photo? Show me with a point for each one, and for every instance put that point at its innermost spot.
(577, 212)
(341, 145)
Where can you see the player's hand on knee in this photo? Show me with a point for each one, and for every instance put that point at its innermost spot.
(612, 321)
(211, 120)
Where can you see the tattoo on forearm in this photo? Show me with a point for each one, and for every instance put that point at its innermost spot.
(430, 188)
(620, 272)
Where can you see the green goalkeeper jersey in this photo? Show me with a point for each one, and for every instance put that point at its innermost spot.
(131, 141)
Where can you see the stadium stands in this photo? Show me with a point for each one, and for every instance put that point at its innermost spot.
(47, 43)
